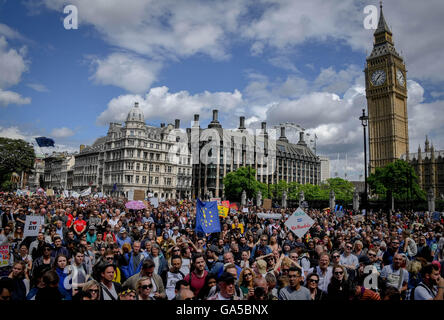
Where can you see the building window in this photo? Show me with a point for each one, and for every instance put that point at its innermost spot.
(156, 180)
(157, 146)
(138, 166)
(157, 156)
(157, 168)
(169, 169)
(137, 179)
(150, 180)
(145, 166)
(144, 179)
(151, 167)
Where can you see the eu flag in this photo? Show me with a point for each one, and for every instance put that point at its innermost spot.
(207, 217)
(44, 142)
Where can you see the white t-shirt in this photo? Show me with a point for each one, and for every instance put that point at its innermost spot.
(172, 279)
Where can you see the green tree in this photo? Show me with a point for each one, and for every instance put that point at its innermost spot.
(16, 155)
(343, 189)
(241, 179)
(400, 178)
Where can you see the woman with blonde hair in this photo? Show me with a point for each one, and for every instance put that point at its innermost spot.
(358, 249)
(246, 281)
(92, 287)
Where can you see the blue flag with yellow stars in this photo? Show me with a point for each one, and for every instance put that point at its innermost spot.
(207, 217)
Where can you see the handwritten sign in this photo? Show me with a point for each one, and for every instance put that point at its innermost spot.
(139, 195)
(32, 226)
(4, 255)
(299, 223)
(267, 204)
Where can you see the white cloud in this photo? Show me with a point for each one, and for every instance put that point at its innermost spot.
(165, 28)
(10, 97)
(126, 71)
(10, 33)
(159, 103)
(38, 87)
(12, 65)
(63, 132)
(12, 133)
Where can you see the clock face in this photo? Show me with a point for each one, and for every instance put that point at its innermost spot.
(378, 77)
(400, 77)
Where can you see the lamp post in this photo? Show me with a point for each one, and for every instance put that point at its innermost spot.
(364, 122)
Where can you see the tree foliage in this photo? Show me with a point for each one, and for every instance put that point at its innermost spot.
(400, 178)
(16, 155)
(241, 179)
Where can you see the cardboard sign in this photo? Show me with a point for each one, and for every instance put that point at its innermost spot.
(4, 255)
(267, 204)
(49, 192)
(358, 218)
(139, 195)
(130, 195)
(32, 226)
(299, 223)
(245, 210)
(263, 215)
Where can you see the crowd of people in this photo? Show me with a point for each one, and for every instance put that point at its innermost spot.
(97, 249)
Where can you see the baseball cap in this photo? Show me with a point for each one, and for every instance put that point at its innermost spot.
(122, 230)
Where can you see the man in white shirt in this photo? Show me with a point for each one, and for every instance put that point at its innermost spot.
(324, 271)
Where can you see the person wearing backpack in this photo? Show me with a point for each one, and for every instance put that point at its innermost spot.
(432, 285)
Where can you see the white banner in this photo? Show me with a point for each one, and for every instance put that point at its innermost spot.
(299, 223)
(85, 192)
(66, 193)
(154, 202)
(32, 226)
(161, 199)
(75, 194)
(263, 215)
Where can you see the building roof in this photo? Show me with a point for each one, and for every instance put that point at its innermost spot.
(135, 114)
(382, 25)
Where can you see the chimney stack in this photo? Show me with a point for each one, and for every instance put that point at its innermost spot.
(162, 125)
(196, 120)
(177, 124)
(301, 138)
(242, 123)
(283, 137)
(215, 114)
(136, 104)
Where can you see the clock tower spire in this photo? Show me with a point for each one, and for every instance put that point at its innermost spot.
(386, 92)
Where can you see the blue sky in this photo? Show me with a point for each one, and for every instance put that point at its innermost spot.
(267, 60)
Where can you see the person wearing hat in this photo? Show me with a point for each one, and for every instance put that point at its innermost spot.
(91, 236)
(226, 286)
(123, 238)
(261, 267)
(175, 233)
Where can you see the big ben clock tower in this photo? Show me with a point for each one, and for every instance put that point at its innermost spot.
(386, 92)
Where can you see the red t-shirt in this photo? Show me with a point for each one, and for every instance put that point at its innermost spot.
(79, 225)
(69, 222)
(196, 282)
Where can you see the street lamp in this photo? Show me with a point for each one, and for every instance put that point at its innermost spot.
(364, 122)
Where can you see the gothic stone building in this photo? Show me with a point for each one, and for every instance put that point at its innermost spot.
(292, 162)
(429, 166)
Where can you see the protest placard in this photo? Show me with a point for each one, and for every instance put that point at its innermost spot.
(139, 195)
(299, 223)
(4, 255)
(131, 195)
(263, 215)
(32, 226)
(49, 192)
(154, 202)
(245, 210)
(267, 204)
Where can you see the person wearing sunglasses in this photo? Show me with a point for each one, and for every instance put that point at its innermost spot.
(144, 287)
(312, 284)
(349, 260)
(92, 287)
(339, 288)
